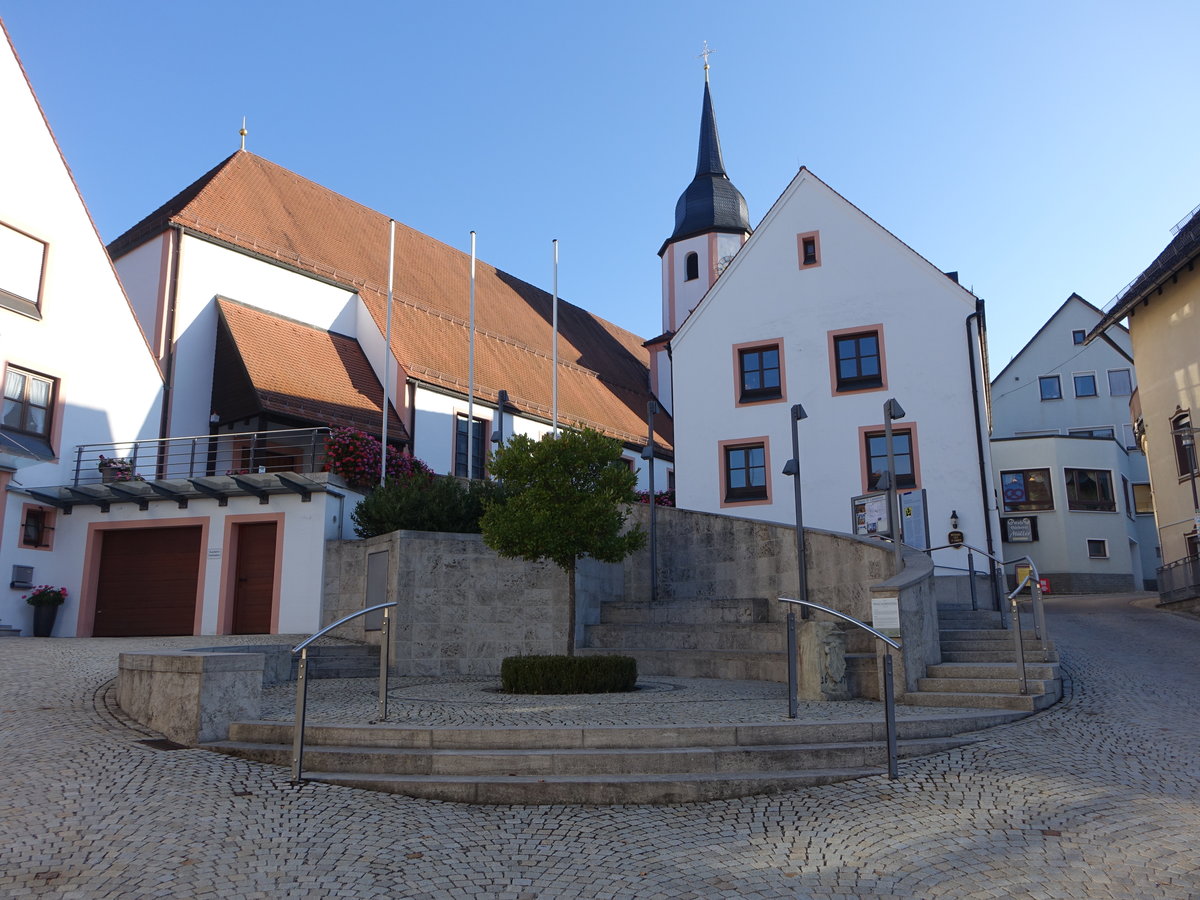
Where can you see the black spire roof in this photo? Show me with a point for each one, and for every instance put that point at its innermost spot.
(711, 202)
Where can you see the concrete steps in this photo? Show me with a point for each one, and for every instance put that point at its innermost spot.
(9, 631)
(713, 638)
(979, 668)
(598, 765)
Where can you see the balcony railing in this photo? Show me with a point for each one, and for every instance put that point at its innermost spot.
(1179, 580)
(285, 450)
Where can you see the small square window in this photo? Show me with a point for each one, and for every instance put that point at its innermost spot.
(857, 361)
(1120, 382)
(1097, 549)
(902, 457)
(1078, 336)
(1050, 386)
(1085, 384)
(759, 374)
(745, 472)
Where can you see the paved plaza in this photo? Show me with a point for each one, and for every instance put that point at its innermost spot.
(1097, 797)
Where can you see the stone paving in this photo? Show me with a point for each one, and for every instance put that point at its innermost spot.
(1098, 797)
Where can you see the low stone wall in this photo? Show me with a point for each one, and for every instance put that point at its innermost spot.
(190, 697)
(461, 608)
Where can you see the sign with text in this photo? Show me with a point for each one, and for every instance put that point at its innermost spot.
(1020, 529)
(885, 615)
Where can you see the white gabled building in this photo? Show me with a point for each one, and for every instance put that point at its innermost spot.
(823, 307)
(75, 365)
(1074, 488)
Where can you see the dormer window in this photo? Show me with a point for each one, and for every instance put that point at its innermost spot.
(691, 267)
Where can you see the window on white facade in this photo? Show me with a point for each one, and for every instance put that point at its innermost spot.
(1025, 490)
(808, 246)
(745, 472)
(1090, 490)
(1097, 549)
(759, 374)
(28, 401)
(1143, 500)
(902, 457)
(1050, 387)
(1085, 384)
(1092, 432)
(478, 447)
(691, 267)
(1077, 336)
(858, 361)
(22, 260)
(1120, 382)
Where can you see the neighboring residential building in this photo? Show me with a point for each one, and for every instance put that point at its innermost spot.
(75, 365)
(823, 307)
(1074, 488)
(1162, 306)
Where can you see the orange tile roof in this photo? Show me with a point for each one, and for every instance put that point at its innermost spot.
(259, 207)
(300, 371)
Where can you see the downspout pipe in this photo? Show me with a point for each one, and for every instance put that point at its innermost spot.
(984, 479)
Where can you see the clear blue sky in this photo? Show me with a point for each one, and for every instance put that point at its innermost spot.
(1036, 148)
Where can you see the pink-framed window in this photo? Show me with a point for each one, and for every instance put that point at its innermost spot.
(758, 372)
(37, 526)
(857, 361)
(872, 443)
(745, 471)
(808, 249)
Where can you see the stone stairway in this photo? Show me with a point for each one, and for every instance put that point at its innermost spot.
(979, 668)
(728, 639)
(9, 631)
(602, 764)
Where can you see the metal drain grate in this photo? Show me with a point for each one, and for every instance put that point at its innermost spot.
(162, 744)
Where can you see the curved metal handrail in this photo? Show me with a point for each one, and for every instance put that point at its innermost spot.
(385, 643)
(342, 621)
(889, 693)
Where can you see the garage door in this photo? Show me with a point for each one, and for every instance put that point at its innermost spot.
(147, 582)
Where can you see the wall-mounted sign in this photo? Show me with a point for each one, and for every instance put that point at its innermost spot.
(885, 615)
(1020, 529)
(870, 514)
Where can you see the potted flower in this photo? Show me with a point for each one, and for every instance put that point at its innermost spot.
(113, 468)
(45, 601)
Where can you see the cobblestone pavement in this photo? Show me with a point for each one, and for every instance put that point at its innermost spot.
(1097, 797)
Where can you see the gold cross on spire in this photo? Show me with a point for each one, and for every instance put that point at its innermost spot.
(704, 54)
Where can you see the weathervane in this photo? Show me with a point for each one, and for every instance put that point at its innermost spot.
(704, 55)
(243, 132)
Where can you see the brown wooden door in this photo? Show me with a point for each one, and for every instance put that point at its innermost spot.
(147, 582)
(255, 588)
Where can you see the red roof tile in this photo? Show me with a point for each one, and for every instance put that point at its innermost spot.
(303, 372)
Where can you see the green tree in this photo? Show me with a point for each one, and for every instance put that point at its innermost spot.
(564, 498)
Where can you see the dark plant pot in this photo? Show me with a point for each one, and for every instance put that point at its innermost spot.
(43, 619)
(108, 474)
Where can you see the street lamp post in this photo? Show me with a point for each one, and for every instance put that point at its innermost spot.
(652, 409)
(892, 410)
(792, 468)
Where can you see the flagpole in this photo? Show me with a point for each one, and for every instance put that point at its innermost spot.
(554, 376)
(471, 373)
(387, 353)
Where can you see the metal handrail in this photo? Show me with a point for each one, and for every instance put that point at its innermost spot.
(302, 677)
(889, 692)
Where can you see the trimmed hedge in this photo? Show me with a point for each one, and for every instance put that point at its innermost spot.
(568, 674)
